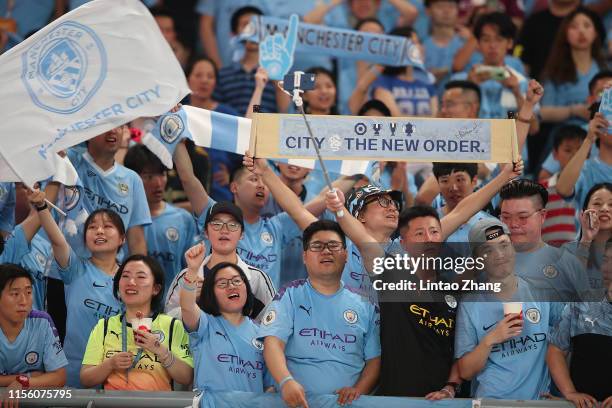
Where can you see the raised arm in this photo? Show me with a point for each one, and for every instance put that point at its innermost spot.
(360, 93)
(407, 11)
(569, 175)
(61, 249)
(318, 13)
(137, 244)
(261, 79)
(196, 193)
(190, 312)
(288, 201)
(317, 205)
(478, 200)
(209, 39)
(428, 191)
(526, 118)
(355, 231)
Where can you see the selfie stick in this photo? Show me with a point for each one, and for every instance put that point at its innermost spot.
(296, 97)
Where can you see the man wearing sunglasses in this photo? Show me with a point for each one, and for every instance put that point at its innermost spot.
(319, 335)
(223, 228)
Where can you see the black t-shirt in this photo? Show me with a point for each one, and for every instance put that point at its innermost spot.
(590, 364)
(536, 39)
(417, 340)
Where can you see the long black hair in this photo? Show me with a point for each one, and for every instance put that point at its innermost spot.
(157, 302)
(208, 300)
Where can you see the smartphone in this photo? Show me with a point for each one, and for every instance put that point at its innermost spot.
(592, 221)
(307, 82)
(497, 73)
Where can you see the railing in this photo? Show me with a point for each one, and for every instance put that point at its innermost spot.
(233, 399)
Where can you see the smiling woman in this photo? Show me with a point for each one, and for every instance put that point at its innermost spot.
(226, 353)
(140, 349)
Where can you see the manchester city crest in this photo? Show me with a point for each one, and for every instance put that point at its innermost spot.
(63, 69)
(533, 315)
(269, 318)
(31, 358)
(172, 234)
(258, 344)
(123, 189)
(266, 237)
(72, 195)
(171, 127)
(550, 271)
(450, 301)
(350, 316)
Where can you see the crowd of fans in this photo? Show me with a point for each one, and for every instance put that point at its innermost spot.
(236, 273)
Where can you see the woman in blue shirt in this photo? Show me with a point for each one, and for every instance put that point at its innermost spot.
(88, 282)
(576, 56)
(222, 337)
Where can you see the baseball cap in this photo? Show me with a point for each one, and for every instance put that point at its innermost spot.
(486, 230)
(357, 199)
(225, 207)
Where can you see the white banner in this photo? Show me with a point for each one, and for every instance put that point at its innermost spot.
(93, 69)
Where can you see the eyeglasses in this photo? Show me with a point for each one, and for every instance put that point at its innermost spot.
(236, 281)
(218, 225)
(521, 218)
(383, 201)
(333, 246)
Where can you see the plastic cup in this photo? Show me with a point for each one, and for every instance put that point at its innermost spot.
(143, 324)
(514, 307)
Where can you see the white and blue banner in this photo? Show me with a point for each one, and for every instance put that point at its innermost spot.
(223, 132)
(339, 43)
(95, 68)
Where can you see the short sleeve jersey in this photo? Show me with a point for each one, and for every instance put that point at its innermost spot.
(15, 247)
(36, 262)
(89, 298)
(263, 242)
(118, 189)
(148, 373)
(168, 238)
(227, 357)
(36, 348)
(516, 368)
(553, 273)
(328, 338)
(412, 97)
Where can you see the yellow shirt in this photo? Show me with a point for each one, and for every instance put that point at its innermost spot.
(148, 374)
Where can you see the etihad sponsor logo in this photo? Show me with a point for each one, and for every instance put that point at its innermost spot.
(328, 340)
(162, 256)
(519, 345)
(237, 365)
(442, 325)
(250, 257)
(99, 201)
(100, 308)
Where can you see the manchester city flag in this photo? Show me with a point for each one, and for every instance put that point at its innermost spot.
(93, 69)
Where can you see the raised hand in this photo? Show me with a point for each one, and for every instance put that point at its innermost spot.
(36, 197)
(276, 51)
(535, 92)
(589, 222)
(256, 166)
(195, 256)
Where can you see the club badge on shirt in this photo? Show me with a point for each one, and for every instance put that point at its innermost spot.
(269, 318)
(172, 234)
(450, 301)
(123, 189)
(266, 237)
(350, 316)
(258, 344)
(550, 271)
(31, 358)
(533, 315)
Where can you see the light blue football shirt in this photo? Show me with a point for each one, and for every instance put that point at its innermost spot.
(36, 348)
(228, 357)
(516, 368)
(15, 247)
(328, 338)
(170, 235)
(440, 57)
(118, 189)
(35, 262)
(553, 273)
(263, 242)
(7, 206)
(89, 298)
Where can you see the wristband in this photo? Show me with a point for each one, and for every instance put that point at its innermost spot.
(42, 207)
(187, 280)
(24, 380)
(450, 394)
(283, 381)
